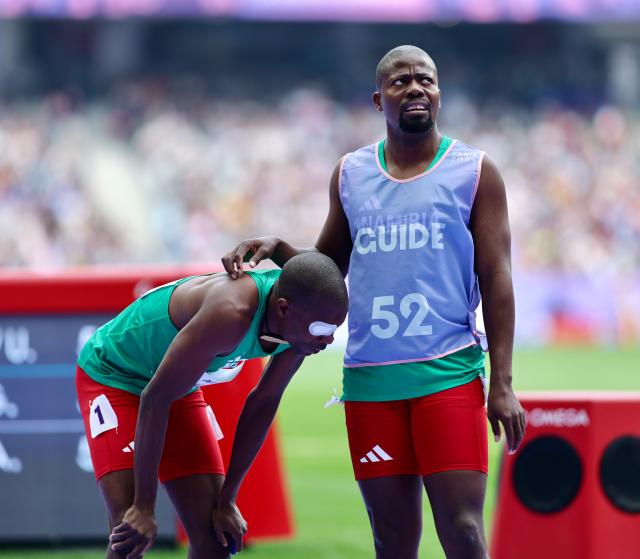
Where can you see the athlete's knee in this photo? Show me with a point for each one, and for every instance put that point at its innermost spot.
(395, 535)
(204, 545)
(465, 531)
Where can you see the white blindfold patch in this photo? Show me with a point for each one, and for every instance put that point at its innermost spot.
(319, 328)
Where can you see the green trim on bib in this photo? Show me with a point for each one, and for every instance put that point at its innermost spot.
(382, 383)
(445, 142)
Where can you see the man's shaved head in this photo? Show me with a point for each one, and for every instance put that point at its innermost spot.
(310, 291)
(313, 278)
(386, 63)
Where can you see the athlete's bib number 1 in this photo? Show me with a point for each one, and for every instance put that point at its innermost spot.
(391, 322)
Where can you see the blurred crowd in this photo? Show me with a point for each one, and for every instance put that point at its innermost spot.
(156, 174)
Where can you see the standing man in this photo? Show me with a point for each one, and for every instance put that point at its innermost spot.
(146, 419)
(419, 221)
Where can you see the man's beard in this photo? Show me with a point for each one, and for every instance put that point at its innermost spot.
(414, 125)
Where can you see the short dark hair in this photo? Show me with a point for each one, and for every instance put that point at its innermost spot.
(312, 276)
(392, 55)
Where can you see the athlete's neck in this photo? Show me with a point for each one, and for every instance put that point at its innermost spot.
(266, 334)
(404, 151)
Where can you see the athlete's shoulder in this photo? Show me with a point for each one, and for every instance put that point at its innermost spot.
(460, 154)
(459, 147)
(264, 279)
(261, 283)
(229, 301)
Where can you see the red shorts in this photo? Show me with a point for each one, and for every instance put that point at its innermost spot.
(190, 445)
(420, 436)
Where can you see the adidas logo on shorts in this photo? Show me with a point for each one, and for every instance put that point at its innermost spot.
(128, 448)
(375, 455)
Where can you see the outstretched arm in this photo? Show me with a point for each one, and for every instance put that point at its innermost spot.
(334, 240)
(257, 249)
(492, 240)
(254, 422)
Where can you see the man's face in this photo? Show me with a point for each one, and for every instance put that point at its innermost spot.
(409, 94)
(296, 332)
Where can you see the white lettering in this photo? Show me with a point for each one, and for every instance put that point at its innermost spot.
(414, 229)
(415, 328)
(7, 407)
(9, 464)
(403, 236)
(560, 417)
(16, 345)
(393, 241)
(371, 246)
(412, 236)
(436, 236)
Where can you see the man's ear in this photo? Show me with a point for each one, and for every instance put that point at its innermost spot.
(377, 100)
(283, 306)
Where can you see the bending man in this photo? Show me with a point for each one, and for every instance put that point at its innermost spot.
(137, 383)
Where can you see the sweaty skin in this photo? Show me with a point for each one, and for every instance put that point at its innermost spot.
(409, 97)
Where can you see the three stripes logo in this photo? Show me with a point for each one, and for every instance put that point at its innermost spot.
(376, 454)
(128, 448)
(371, 204)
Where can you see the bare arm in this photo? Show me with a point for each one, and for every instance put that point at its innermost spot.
(188, 356)
(334, 240)
(492, 240)
(254, 422)
(212, 331)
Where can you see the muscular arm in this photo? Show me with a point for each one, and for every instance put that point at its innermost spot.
(334, 240)
(256, 418)
(209, 333)
(492, 240)
(254, 422)
(213, 330)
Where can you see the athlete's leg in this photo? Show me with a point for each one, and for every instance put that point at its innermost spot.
(118, 492)
(394, 506)
(450, 437)
(384, 463)
(110, 444)
(457, 501)
(195, 498)
(192, 473)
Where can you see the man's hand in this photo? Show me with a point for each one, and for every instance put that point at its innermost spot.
(503, 407)
(228, 522)
(253, 250)
(135, 534)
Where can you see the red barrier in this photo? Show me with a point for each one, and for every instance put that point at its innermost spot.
(573, 488)
(263, 498)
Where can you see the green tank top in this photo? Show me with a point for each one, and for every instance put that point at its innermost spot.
(125, 352)
(380, 383)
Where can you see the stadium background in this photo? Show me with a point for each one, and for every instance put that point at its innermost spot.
(164, 132)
